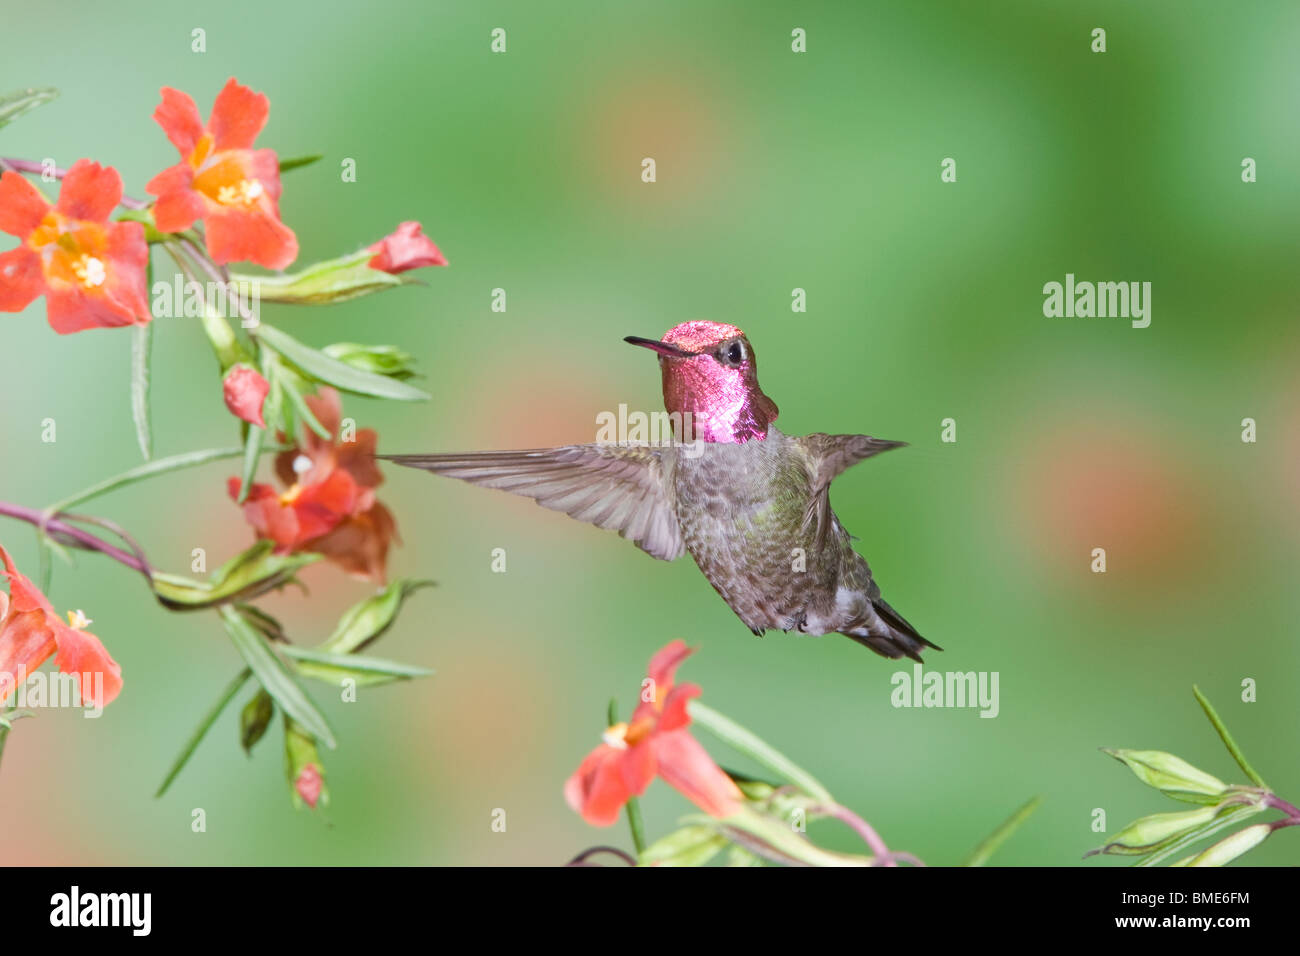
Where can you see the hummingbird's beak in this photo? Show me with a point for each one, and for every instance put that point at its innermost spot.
(663, 348)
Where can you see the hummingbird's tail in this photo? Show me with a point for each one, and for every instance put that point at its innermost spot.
(887, 633)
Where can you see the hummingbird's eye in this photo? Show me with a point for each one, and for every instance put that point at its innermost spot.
(731, 355)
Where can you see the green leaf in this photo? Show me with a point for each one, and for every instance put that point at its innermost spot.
(141, 472)
(980, 855)
(243, 577)
(381, 359)
(300, 407)
(1226, 737)
(15, 104)
(252, 454)
(335, 668)
(742, 740)
(322, 368)
(204, 725)
(1228, 817)
(254, 719)
(298, 162)
(366, 621)
(275, 677)
(141, 345)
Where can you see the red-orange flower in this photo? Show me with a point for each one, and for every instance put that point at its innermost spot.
(30, 632)
(221, 179)
(407, 247)
(245, 390)
(329, 506)
(654, 742)
(91, 271)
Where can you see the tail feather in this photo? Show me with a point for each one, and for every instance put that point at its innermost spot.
(895, 639)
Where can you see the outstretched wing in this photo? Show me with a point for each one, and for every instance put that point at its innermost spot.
(828, 456)
(619, 487)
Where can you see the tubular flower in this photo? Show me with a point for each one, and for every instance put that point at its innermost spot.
(91, 271)
(30, 633)
(329, 505)
(222, 180)
(655, 742)
(405, 248)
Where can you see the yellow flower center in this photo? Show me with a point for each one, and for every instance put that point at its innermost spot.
(291, 495)
(90, 271)
(616, 736)
(243, 193)
(78, 620)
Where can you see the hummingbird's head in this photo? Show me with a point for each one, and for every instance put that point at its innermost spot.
(711, 374)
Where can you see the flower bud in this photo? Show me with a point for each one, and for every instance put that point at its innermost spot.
(1150, 833)
(245, 390)
(379, 359)
(1229, 848)
(1171, 775)
(405, 248)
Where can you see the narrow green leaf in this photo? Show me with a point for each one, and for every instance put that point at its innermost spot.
(15, 104)
(333, 668)
(1226, 737)
(273, 675)
(141, 346)
(1227, 818)
(204, 726)
(140, 472)
(319, 366)
(300, 406)
(252, 453)
(742, 740)
(298, 162)
(980, 855)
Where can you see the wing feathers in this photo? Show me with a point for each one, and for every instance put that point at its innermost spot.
(618, 487)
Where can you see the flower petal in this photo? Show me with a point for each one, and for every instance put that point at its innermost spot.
(178, 203)
(251, 235)
(26, 642)
(21, 279)
(687, 766)
(23, 595)
(81, 653)
(22, 207)
(90, 192)
(238, 115)
(597, 789)
(359, 544)
(674, 715)
(69, 310)
(180, 120)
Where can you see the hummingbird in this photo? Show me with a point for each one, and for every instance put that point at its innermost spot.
(750, 504)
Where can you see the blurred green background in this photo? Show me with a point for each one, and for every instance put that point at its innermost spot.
(775, 171)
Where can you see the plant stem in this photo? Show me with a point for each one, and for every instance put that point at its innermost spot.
(989, 845)
(158, 467)
(83, 539)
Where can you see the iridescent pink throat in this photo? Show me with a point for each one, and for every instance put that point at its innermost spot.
(725, 404)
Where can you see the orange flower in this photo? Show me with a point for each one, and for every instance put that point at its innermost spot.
(30, 632)
(221, 179)
(654, 742)
(91, 271)
(329, 506)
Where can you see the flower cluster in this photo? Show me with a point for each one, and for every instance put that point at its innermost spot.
(90, 253)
